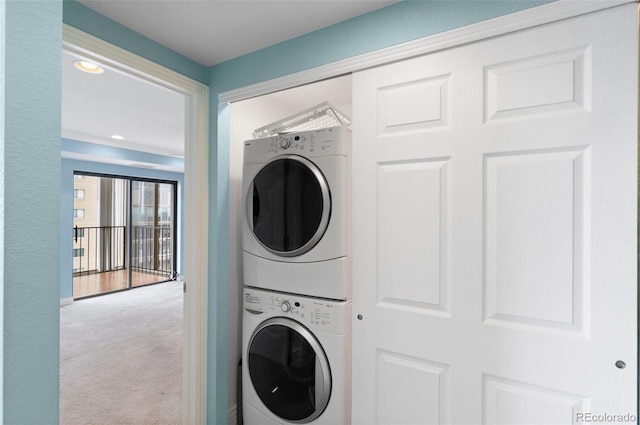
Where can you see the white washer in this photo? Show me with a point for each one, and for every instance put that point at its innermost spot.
(296, 205)
(296, 359)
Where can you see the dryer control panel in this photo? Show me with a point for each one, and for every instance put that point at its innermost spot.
(314, 313)
(328, 141)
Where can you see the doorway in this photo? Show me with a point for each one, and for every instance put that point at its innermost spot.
(124, 233)
(196, 195)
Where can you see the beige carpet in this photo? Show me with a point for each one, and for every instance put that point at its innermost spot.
(121, 358)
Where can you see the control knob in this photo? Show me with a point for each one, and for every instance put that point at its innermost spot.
(285, 306)
(285, 143)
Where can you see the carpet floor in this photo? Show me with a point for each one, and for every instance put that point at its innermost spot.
(121, 358)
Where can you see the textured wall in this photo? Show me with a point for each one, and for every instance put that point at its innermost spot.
(30, 175)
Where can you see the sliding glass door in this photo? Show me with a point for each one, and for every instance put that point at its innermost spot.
(123, 234)
(152, 232)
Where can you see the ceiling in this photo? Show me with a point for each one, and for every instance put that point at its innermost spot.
(98, 106)
(151, 118)
(213, 31)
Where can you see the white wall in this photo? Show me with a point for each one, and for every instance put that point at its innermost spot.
(247, 116)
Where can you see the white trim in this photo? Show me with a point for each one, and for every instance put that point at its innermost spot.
(86, 46)
(529, 18)
(232, 416)
(66, 301)
(196, 216)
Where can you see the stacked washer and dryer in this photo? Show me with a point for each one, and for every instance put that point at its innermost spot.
(296, 332)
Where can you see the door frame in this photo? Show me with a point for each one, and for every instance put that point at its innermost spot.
(88, 47)
(541, 15)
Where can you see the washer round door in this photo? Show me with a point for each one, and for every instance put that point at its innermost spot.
(289, 206)
(289, 370)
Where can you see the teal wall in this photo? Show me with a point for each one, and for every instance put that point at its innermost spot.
(109, 152)
(30, 78)
(69, 166)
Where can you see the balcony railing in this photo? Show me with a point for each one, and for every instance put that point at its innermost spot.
(98, 249)
(152, 250)
(104, 249)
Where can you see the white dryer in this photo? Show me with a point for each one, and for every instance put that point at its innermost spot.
(296, 359)
(296, 205)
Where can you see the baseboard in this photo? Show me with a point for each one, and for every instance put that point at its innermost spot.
(66, 301)
(232, 416)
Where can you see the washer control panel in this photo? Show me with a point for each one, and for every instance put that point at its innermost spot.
(328, 141)
(315, 313)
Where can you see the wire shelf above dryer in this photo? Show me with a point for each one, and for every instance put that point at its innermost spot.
(320, 116)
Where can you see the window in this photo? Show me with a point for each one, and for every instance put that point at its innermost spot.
(78, 193)
(78, 252)
(78, 213)
(78, 176)
(78, 232)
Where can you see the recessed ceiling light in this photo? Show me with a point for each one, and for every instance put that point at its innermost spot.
(89, 67)
(117, 137)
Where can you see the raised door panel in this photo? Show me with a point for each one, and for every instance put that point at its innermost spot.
(413, 271)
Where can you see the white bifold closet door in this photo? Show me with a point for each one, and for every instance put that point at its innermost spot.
(495, 229)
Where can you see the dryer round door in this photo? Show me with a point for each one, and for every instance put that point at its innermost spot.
(289, 370)
(289, 206)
